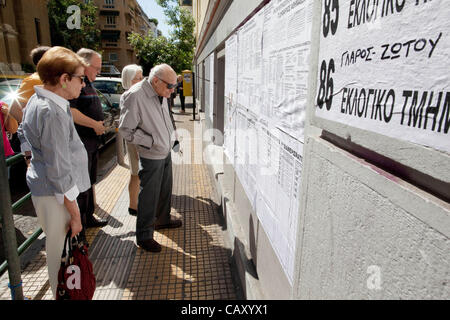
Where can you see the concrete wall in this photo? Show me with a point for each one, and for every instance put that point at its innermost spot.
(367, 228)
(367, 234)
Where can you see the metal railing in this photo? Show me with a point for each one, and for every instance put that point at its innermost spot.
(7, 210)
(8, 231)
(15, 207)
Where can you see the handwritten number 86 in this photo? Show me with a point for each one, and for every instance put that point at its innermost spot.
(327, 22)
(326, 87)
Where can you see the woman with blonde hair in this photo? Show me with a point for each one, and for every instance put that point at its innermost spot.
(58, 171)
(132, 74)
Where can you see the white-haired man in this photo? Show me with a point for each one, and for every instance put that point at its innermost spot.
(145, 122)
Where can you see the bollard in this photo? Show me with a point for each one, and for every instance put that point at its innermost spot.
(193, 95)
(9, 232)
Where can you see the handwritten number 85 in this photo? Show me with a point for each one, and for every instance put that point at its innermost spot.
(326, 86)
(327, 22)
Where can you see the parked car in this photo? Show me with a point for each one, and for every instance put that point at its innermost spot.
(8, 90)
(111, 114)
(109, 70)
(111, 88)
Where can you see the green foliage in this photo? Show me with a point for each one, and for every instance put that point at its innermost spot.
(177, 50)
(88, 36)
(154, 20)
(152, 50)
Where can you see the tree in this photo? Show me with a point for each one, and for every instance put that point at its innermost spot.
(183, 33)
(177, 50)
(86, 36)
(152, 50)
(154, 20)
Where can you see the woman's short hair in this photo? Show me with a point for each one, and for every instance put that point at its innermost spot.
(37, 53)
(128, 74)
(57, 61)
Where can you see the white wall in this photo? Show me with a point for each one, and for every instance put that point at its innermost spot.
(363, 232)
(367, 234)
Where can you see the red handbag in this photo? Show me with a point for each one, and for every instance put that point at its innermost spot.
(76, 279)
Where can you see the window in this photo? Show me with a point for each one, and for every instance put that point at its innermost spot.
(109, 87)
(109, 2)
(186, 2)
(37, 24)
(113, 57)
(110, 19)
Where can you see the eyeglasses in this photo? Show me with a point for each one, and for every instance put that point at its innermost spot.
(169, 85)
(80, 77)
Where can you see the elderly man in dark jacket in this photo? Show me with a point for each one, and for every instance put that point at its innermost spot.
(145, 121)
(88, 117)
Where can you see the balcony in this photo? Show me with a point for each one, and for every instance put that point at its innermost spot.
(130, 11)
(111, 45)
(112, 12)
(110, 35)
(110, 26)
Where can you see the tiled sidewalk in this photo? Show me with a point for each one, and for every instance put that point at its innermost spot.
(193, 264)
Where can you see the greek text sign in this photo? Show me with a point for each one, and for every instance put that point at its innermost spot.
(383, 68)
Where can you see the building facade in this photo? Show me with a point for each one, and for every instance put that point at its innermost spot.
(117, 19)
(187, 4)
(23, 26)
(326, 191)
(199, 13)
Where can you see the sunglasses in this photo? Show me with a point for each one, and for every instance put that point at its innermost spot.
(77, 76)
(169, 85)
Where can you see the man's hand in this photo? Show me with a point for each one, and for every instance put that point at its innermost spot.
(27, 155)
(83, 120)
(99, 128)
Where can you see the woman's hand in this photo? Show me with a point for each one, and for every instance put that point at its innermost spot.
(75, 226)
(75, 217)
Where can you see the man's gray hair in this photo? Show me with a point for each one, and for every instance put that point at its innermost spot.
(87, 54)
(159, 71)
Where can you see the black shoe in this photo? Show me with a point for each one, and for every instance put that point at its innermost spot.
(133, 212)
(172, 224)
(149, 245)
(96, 223)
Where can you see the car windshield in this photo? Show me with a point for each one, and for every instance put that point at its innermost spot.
(8, 91)
(111, 87)
(104, 102)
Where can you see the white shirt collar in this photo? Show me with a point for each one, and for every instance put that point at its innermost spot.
(60, 101)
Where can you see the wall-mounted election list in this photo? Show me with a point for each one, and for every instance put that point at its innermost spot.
(266, 74)
(383, 67)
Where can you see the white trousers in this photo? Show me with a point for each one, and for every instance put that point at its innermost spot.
(54, 220)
